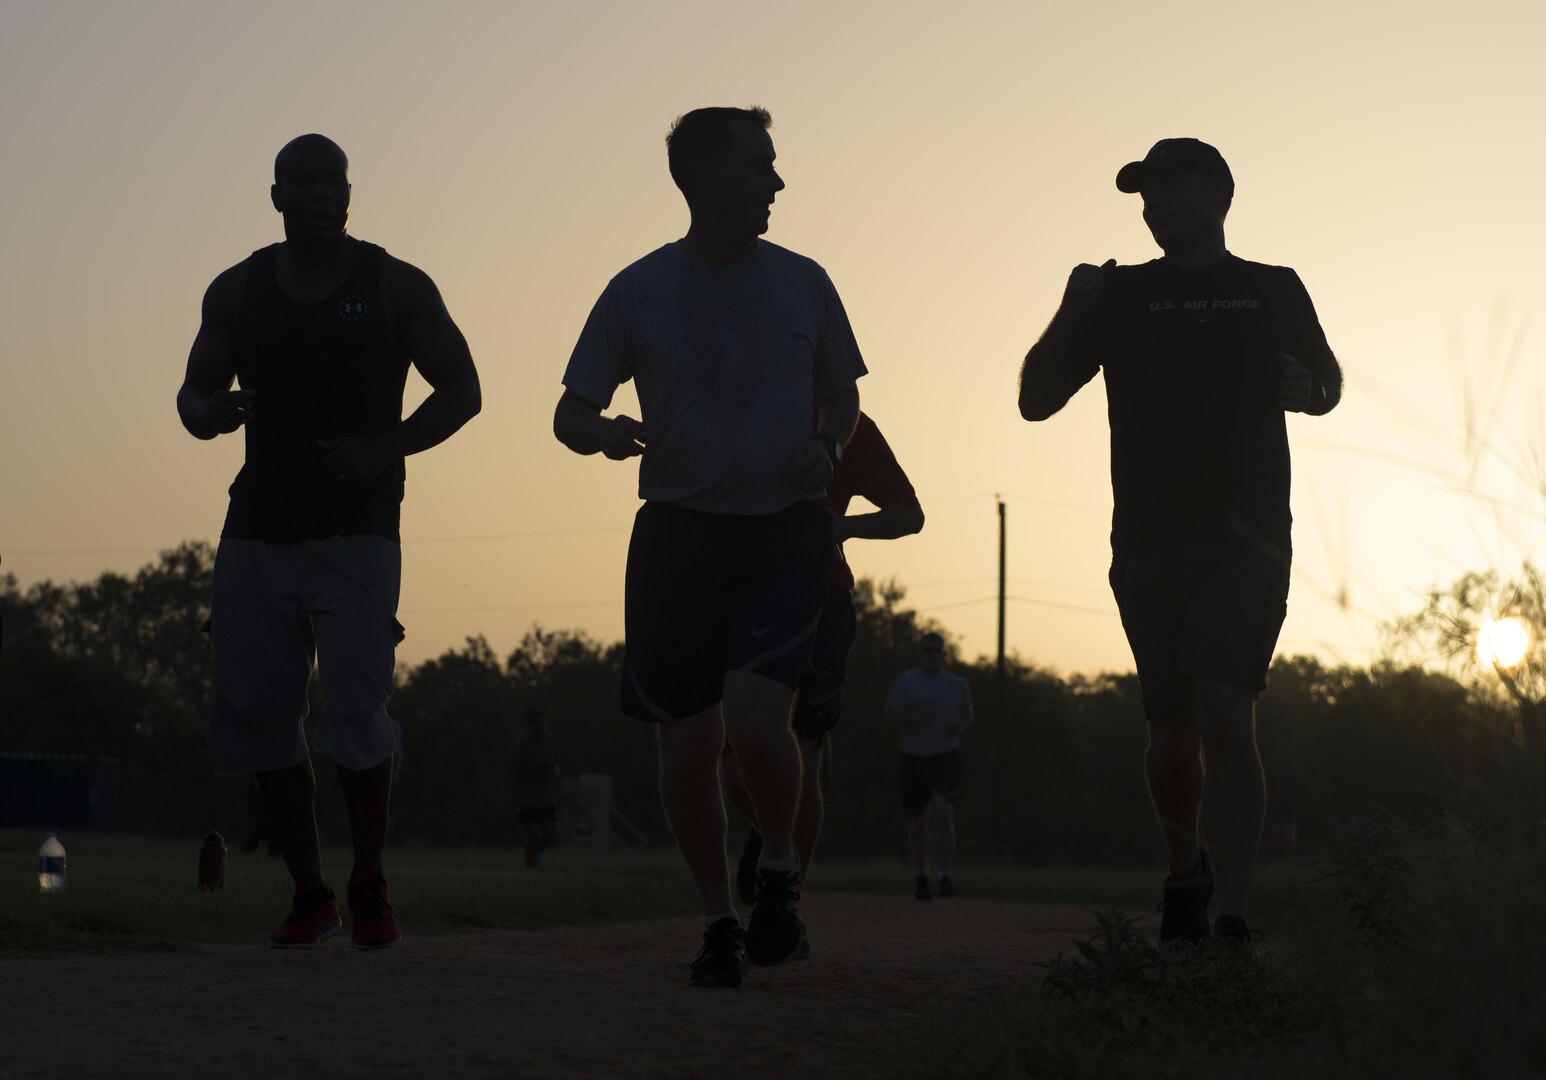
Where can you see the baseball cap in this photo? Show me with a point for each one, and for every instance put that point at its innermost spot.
(1174, 156)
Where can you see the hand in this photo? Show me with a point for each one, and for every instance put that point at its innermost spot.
(1085, 284)
(227, 410)
(621, 437)
(812, 466)
(352, 462)
(1294, 384)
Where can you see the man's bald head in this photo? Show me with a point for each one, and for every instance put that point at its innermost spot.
(311, 190)
(310, 153)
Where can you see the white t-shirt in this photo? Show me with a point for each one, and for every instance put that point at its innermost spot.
(729, 362)
(939, 700)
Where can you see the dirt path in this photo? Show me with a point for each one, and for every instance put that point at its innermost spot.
(609, 1001)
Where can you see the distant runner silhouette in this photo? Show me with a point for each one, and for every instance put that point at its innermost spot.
(319, 330)
(1203, 353)
(732, 343)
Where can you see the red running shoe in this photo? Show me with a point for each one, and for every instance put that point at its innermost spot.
(312, 920)
(370, 910)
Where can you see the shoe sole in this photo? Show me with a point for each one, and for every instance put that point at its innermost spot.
(322, 935)
(373, 946)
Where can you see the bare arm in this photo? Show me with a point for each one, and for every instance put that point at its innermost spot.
(1047, 378)
(836, 418)
(885, 524)
(438, 350)
(579, 425)
(206, 404)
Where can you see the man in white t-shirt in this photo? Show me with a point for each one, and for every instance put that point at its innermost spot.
(931, 707)
(734, 345)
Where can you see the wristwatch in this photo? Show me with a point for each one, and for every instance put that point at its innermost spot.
(832, 446)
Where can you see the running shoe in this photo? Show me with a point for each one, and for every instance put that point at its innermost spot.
(722, 960)
(922, 891)
(374, 923)
(1184, 923)
(312, 920)
(947, 888)
(775, 931)
(746, 869)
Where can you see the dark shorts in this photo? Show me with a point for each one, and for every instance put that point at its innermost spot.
(529, 814)
(922, 777)
(1201, 612)
(708, 594)
(819, 705)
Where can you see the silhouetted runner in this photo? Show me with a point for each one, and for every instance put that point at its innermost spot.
(930, 707)
(869, 469)
(534, 767)
(1203, 352)
(732, 342)
(319, 331)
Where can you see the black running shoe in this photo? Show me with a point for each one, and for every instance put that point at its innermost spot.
(922, 891)
(746, 869)
(1233, 932)
(775, 931)
(722, 960)
(1185, 907)
(947, 888)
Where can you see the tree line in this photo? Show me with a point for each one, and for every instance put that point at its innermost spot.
(120, 667)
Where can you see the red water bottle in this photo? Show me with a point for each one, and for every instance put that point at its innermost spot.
(212, 863)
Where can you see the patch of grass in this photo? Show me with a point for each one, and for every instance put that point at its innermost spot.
(138, 893)
(1107, 1010)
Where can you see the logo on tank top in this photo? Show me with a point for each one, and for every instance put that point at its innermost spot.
(353, 308)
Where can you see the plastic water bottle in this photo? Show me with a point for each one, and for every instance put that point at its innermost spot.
(51, 864)
(212, 863)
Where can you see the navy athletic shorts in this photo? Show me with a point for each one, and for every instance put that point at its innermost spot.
(1209, 611)
(922, 777)
(820, 703)
(711, 593)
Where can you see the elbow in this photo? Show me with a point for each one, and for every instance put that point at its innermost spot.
(1034, 408)
(913, 524)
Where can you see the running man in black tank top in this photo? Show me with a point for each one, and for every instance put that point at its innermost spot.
(318, 332)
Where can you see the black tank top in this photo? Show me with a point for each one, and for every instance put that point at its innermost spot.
(332, 369)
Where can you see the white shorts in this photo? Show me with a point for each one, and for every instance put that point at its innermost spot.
(279, 610)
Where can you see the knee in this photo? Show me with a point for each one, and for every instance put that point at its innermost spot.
(1226, 716)
(692, 744)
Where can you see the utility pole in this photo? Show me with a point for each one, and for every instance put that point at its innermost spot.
(1001, 712)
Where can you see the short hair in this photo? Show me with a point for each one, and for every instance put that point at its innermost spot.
(300, 143)
(932, 636)
(534, 714)
(702, 132)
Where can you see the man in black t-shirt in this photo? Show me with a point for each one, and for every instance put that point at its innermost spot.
(1203, 353)
(320, 331)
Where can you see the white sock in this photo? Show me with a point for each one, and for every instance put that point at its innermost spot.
(789, 864)
(710, 920)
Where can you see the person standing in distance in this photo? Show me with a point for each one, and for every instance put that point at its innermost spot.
(319, 331)
(870, 470)
(1203, 354)
(535, 768)
(931, 707)
(733, 343)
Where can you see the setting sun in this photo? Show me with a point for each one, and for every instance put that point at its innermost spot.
(1502, 642)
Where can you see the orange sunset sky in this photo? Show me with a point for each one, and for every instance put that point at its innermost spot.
(947, 164)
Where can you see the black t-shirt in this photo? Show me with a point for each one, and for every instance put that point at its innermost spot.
(332, 369)
(1199, 448)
